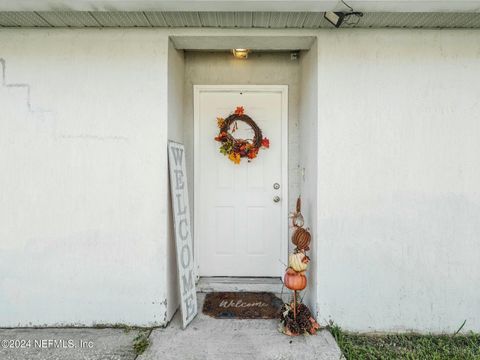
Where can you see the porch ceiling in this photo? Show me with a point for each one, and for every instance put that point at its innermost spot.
(241, 6)
(179, 19)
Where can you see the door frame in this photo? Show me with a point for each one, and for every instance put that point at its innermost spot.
(283, 90)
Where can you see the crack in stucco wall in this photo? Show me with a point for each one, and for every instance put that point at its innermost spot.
(44, 115)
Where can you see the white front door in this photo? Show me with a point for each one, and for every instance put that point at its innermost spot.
(239, 228)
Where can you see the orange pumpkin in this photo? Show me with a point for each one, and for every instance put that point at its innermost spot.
(295, 280)
(301, 238)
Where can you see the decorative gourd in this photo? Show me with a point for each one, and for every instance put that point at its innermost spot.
(297, 220)
(298, 261)
(297, 217)
(301, 238)
(295, 280)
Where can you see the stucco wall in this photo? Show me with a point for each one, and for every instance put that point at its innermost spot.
(399, 179)
(308, 118)
(83, 191)
(82, 209)
(176, 76)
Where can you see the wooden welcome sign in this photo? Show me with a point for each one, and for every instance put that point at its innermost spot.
(183, 233)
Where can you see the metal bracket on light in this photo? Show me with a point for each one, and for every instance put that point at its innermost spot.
(337, 18)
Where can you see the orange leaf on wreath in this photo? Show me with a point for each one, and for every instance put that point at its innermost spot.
(235, 157)
(252, 154)
(239, 110)
(265, 143)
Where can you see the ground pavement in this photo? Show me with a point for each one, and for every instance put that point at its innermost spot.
(205, 338)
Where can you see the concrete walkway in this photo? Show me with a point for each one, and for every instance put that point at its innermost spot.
(207, 338)
(71, 344)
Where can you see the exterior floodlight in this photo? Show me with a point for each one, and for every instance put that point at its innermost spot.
(334, 18)
(337, 18)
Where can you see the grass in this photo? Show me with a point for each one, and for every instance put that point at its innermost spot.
(407, 346)
(126, 328)
(141, 343)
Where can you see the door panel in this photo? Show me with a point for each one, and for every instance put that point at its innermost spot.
(238, 225)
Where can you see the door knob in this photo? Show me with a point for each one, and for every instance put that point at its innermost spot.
(276, 198)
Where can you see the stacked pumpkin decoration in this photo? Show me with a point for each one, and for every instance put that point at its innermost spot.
(301, 238)
(295, 278)
(297, 318)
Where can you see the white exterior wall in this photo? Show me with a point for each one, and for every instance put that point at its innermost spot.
(308, 118)
(82, 210)
(176, 74)
(399, 179)
(84, 197)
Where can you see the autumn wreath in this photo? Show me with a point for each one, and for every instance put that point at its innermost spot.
(235, 148)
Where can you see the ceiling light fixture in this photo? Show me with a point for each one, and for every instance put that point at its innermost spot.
(337, 18)
(241, 53)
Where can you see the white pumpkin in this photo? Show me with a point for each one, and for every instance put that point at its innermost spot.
(298, 261)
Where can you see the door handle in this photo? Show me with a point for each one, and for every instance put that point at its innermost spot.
(276, 198)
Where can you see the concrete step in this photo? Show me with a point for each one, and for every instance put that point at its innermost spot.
(207, 338)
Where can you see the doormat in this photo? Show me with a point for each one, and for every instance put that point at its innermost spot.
(242, 305)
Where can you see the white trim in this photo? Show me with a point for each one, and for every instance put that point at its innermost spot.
(283, 89)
